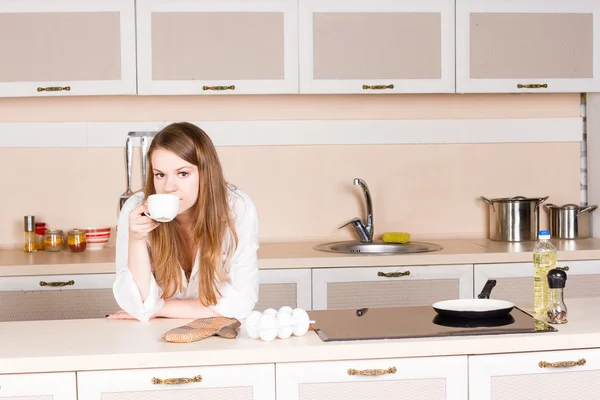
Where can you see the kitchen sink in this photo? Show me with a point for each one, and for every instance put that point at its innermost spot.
(377, 247)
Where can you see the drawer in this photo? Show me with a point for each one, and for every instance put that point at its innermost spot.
(240, 382)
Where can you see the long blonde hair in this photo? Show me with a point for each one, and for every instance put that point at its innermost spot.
(212, 227)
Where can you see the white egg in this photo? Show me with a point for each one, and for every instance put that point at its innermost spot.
(286, 325)
(301, 322)
(252, 332)
(267, 321)
(270, 311)
(268, 334)
(286, 309)
(252, 319)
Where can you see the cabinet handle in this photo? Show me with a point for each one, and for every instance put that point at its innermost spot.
(378, 87)
(372, 372)
(393, 274)
(68, 283)
(532, 86)
(54, 89)
(562, 364)
(176, 381)
(563, 268)
(232, 87)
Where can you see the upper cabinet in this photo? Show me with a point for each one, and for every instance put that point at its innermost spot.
(217, 47)
(376, 46)
(527, 46)
(68, 47)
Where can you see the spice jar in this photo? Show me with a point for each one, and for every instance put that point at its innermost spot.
(54, 240)
(76, 240)
(29, 222)
(40, 235)
(557, 309)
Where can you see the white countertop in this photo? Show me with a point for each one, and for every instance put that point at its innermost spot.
(98, 344)
(302, 255)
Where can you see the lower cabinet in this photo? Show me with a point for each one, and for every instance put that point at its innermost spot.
(515, 280)
(47, 386)
(284, 287)
(428, 378)
(52, 297)
(235, 382)
(553, 375)
(390, 286)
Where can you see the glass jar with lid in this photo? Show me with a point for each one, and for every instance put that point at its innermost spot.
(54, 240)
(76, 240)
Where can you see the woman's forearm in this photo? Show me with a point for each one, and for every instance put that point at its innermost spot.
(185, 309)
(139, 266)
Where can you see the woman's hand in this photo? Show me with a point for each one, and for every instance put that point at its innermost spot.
(119, 315)
(139, 224)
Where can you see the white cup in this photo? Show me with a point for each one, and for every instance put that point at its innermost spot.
(163, 207)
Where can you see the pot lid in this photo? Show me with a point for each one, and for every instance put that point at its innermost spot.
(515, 199)
(571, 207)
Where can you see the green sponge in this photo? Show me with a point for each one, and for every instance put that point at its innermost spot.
(396, 237)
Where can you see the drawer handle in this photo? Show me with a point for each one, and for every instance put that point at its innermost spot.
(563, 268)
(68, 283)
(176, 381)
(54, 89)
(532, 86)
(372, 372)
(232, 87)
(393, 274)
(378, 87)
(562, 364)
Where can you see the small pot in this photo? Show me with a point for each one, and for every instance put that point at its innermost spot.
(514, 219)
(569, 221)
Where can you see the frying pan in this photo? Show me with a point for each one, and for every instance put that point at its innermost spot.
(481, 307)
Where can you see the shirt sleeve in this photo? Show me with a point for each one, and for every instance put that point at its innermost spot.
(125, 289)
(240, 294)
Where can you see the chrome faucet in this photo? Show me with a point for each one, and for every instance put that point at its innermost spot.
(365, 232)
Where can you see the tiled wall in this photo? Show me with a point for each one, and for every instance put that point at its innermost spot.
(302, 192)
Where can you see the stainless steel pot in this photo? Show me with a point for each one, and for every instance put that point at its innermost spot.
(514, 219)
(569, 221)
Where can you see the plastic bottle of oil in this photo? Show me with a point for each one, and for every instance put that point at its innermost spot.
(544, 259)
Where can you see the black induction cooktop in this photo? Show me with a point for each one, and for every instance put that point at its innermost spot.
(415, 322)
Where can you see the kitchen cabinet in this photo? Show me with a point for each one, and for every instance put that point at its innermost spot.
(217, 47)
(515, 280)
(46, 386)
(551, 375)
(30, 298)
(70, 47)
(243, 382)
(428, 378)
(390, 286)
(376, 46)
(509, 46)
(284, 287)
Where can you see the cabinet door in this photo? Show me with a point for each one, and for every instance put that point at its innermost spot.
(69, 47)
(51, 386)
(32, 298)
(390, 286)
(429, 378)
(376, 46)
(553, 375)
(515, 280)
(217, 47)
(239, 382)
(284, 287)
(527, 46)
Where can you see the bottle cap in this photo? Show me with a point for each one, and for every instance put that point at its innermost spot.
(557, 278)
(544, 235)
(29, 222)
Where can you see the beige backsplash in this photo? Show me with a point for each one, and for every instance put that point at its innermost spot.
(302, 192)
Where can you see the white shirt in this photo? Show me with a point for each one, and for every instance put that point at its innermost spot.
(239, 293)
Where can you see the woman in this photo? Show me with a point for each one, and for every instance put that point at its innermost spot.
(204, 262)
